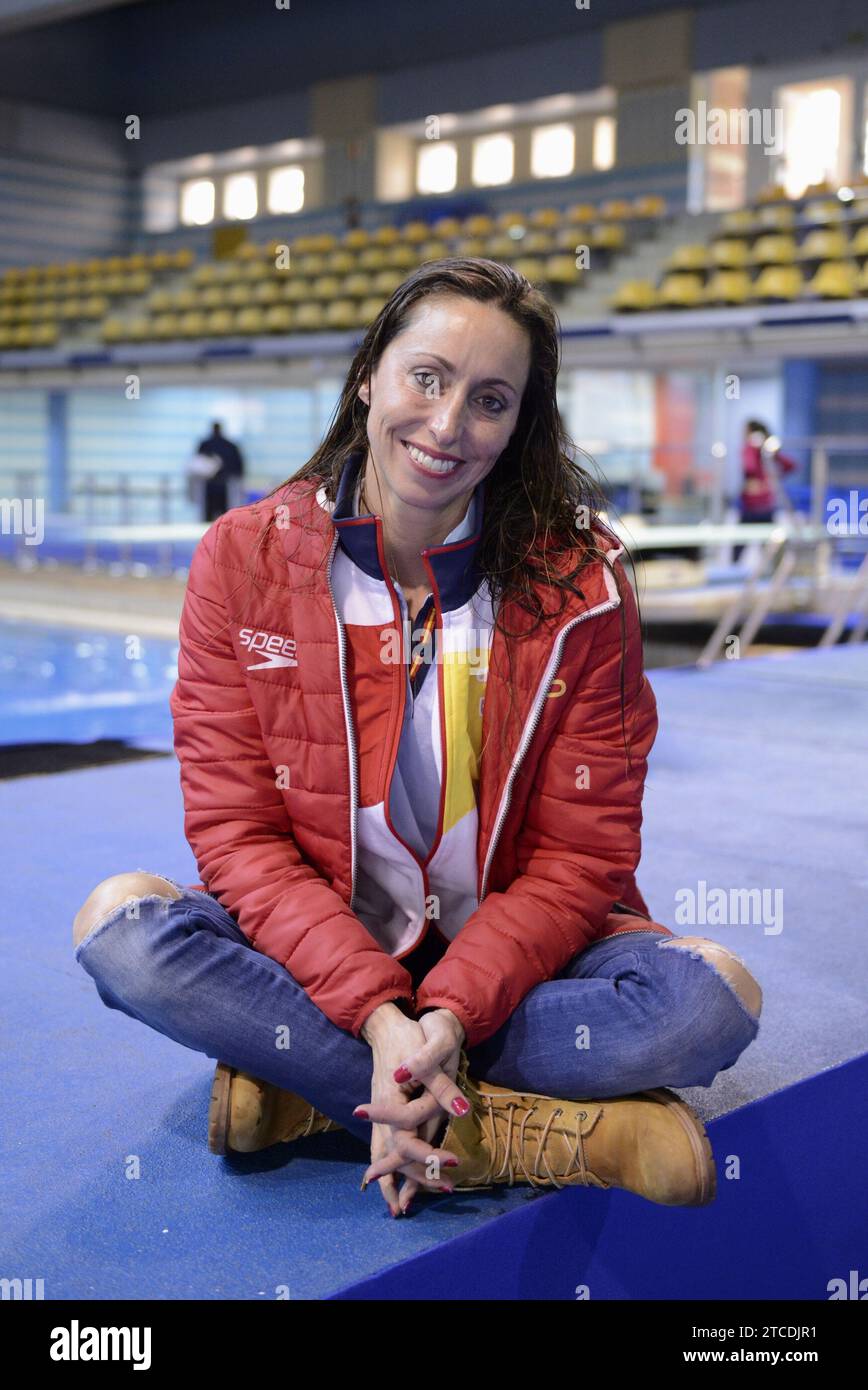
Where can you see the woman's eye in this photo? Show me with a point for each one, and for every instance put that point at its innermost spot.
(431, 375)
(494, 402)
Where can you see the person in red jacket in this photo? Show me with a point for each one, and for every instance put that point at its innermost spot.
(413, 725)
(760, 465)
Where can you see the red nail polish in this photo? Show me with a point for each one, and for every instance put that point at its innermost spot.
(361, 1114)
(460, 1105)
(450, 1163)
(445, 1189)
(402, 1074)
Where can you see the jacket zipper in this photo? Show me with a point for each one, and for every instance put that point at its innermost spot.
(348, 720)
(530, 729)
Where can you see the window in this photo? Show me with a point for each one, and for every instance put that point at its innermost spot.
(436, 167)
(239, 196)
(604, 142)
(197, 202)
(552, 151)
(286, 189)
(493, 158)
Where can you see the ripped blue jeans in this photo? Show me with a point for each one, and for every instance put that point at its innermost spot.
(622, 1016)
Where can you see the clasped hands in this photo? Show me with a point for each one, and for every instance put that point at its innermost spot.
(410, 1054)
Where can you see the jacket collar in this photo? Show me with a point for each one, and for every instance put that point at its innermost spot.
(453, 562)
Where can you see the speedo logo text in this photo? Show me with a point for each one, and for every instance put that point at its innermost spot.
(274, 647)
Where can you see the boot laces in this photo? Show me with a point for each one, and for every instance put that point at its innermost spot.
(577, 1159)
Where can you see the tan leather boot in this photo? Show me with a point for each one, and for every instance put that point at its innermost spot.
(246, 1114)
(650, 1143)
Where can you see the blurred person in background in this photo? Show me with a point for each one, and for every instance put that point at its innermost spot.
(215, 493)
(762, 462)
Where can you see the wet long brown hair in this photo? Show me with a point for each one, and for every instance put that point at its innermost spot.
(541, 519)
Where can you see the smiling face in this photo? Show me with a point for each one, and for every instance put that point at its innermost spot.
(443, 402)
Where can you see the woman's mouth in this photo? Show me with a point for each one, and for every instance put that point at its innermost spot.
(426, 463)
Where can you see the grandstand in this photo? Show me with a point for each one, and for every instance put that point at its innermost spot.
(202, 228)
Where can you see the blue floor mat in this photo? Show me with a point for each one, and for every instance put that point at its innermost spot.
(757, 777)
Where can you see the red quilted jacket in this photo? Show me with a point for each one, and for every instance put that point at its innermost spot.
(268, 764)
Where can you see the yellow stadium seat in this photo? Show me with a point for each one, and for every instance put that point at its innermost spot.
(45, 334)
(729, 253)
(818, 190)
(479, 224)
(205, 274)
(562, 270)
(532, 268)
(636, 296)
(340, 314)
(502, 248)
(387, 281)
(325, 287)
(778, 217)
(772, 193)
(504, 220)
(138, 261)
(70, 308)
(267, 292)
(219, 323)
(137, 329)
(446, 227)
(862, 281)
(581, 212)
(433, 251)
(165, 326)
(22, 337)
(416, 232)
(96, 307)
(192, 324)
(728, 287)
(783, 282)
(649, 205)
(608, 236)
(539, 244)
(296, 290)
(356, 238)
(680, 290)
(211, 297)
(545, 218)
(616, 210)
(402, 257)
(311, 263)
(340, 263)
(181, 259)
(824, 212)
(237, 295)
(834, 280)
(773, 249)
(310, 317)
(250, 320)
(386, 236)
(355, 286)
(739, 222)
(184, 299)
(279, 318)
(859, 244)
(470, 246)
(368, 310)
(112, 330)
(324, 243)
(690, 257)
(160, 301)
(823, 245)
(374, 258)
